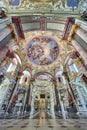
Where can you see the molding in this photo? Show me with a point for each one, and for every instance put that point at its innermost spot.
(82, 24)
(62, 14)
(6, 40)
(5, 33)
(4, 23)
(80, 41)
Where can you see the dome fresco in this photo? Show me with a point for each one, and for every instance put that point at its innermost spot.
(42, 50)
(43, 77)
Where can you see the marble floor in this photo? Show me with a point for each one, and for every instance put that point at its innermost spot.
(43, 124)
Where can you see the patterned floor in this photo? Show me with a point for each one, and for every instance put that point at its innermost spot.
(43, 124)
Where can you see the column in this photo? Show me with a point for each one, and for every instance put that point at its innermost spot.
(18, 27)
(70, 88)
(32, 108)
(62, 107)
(69, 23)
(81, 98)
(61, 104)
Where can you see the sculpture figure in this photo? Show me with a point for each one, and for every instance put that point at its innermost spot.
(2, 12)
(84, 15)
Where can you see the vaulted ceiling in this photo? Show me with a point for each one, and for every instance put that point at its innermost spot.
(42, 19)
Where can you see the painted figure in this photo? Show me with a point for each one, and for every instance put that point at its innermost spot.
(42, 50)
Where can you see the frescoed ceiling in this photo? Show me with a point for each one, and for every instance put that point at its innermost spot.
(42, 57)
(42, 50)
(27, 7)
(71, 3)
(44, 6)
(45, 66)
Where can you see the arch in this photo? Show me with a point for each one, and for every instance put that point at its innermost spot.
(13, 65)
(18, 58)
(25, 77)
(27, 68)
(57, 69)
(67, 58)
(71, 55)
(43, 73)
(27, 73)
(59, 75)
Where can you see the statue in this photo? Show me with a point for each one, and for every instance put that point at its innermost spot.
(58, 5)
(84, 15)
(61, 4)
(2, 12)
(3, 8)
(24, 4)
(1, 77)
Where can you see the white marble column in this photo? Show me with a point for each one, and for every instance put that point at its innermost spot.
(81, 98)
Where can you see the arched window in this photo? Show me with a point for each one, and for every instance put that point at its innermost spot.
(60, 79)
(13, 66)
(73, 68)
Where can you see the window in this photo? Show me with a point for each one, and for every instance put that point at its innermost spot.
(73, 68)
(60, 79)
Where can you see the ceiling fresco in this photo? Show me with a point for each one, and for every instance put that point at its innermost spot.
(30, 37)
(65, 8)
(44, 77)
(71, 3)
(42, 50)
(45, 4)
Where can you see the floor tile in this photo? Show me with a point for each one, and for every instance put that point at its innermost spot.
(45, 124)
(44, 128)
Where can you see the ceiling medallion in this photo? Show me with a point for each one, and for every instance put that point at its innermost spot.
(42, 50)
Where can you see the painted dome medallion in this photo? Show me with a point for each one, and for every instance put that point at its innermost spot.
(42, 50)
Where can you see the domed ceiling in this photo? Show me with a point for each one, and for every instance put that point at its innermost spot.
(42, 50)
